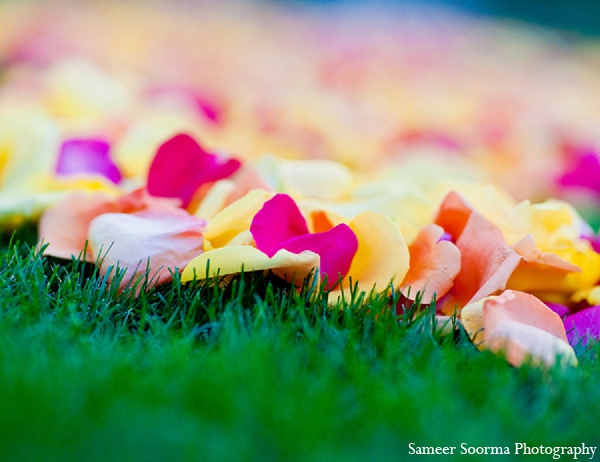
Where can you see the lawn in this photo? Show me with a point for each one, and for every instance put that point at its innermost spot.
(254, 371)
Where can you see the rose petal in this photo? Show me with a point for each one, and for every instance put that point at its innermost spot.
(435, 262)
(336, 249)
(583, 325)
(559, 309)
(584, 174)
(487, 263)
(87, 156)
(321, 179)
(181, 166)
(233, 259)
(64, 226)
(234, 219)
(520, 326)
(159, 240)
(277, 221)
(453, 214)
(382, 256)
(523, 327)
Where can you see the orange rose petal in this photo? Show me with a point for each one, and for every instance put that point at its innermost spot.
(64, 226)
(523, 327)
(453, 214)
(434, 265)
(487, 263)
(320, 221)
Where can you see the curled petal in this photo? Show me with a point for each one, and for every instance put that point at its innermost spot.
(336, 249)
(453, 214)
(435, 262)
(520, 326)
(87, 156)
(277, 221)
(487, 263)
(181, 166)
(583, 325)
(160, 241)
(237, 258)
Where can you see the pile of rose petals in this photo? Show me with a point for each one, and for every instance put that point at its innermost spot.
(395, 150)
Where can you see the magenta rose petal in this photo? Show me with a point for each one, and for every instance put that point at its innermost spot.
(181, 166)
(336, 248)
(87, 156)
(278, 220)
(584, 174)
(584, 325)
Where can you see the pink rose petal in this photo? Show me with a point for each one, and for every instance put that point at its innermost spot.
(160, 240)
(277, 221)
(87, 156)
(181, 166)
(584, 325)
(336, 248)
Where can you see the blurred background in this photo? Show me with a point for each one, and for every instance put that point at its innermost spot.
(579, 17)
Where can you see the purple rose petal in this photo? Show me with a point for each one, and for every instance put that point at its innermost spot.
(559, 309)
(584, 325)
(87, 156)
(277, 221)
(181, 166)
(336, 248)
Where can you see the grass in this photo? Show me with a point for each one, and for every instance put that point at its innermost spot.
(253, 371)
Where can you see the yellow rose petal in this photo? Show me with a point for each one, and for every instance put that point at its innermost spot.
(232, 259)
(234, 219)
(382, 254)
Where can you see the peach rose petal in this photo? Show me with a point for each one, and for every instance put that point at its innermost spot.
(64, 226)
(522, 327)
(160, 241)
(235, 258)
(434, 264)
(487, 263)
(382, 256)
